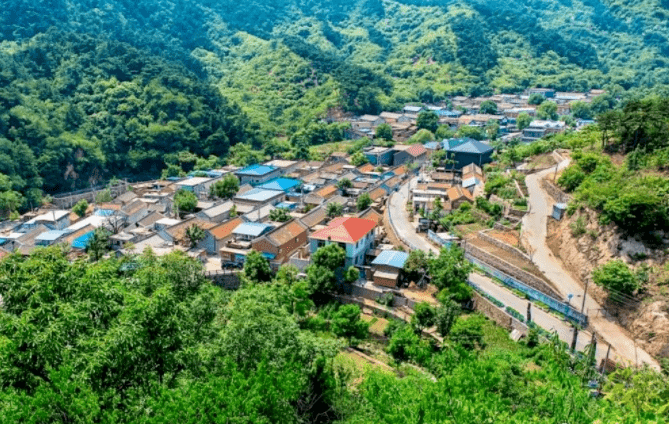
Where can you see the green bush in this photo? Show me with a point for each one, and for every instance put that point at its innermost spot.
(616, 276)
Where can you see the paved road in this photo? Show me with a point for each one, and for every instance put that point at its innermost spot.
(534, 234)
(400, 218)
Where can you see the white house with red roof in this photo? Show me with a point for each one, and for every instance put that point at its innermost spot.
(354, 235)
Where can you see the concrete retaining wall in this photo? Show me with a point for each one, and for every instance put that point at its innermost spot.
(512, 270)
(66, 201)
(501, 317)
(555, 192)
(506, 247)
(516, 213)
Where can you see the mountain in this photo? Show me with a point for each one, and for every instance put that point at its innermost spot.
(258, 69)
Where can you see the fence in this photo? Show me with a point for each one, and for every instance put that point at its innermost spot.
(533, 294)
(438, 239)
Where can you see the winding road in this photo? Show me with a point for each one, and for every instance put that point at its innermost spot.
(406, 231)
(534, 235)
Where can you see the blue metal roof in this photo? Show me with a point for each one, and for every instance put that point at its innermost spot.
(253, 229)
(283, 184)
(432, 145)
(391, 258)
(256, 170)
(286, 205)
(452, 143)
(52, 235)
(259, 194)
(81, 242)
(473, 181)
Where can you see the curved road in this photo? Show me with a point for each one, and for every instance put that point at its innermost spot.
(534, 234)
(406, 231)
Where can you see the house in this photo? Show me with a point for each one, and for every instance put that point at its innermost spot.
(314, 217)
(223, 232)
(217, 213)
(248, 231)
(135, 211)
(260, 197)
(257, 174)
(412, 110)
(443, 177)
(177, 233)
(371, 214)
(286, 166)
(53, 220)
(416, 153)
(279, 244)
(387, 267)
(457, 196)
(377, 194)
(378, 155)
(372, 120)
(22, 240)
(392, 118)
(480, 120)
(327, 192)
(150, 220)
(51, 237)
(126, 198)
(465, 151)
(548, 93)
(198, 185)
(541, 128)
(281, 184)
(260, 214)
(354, 235)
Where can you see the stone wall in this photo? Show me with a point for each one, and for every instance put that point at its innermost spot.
(506, 247)
(512, 270)
(555, 192)
(500, 316)
(516, 212)
(228, 281)
(67, 200)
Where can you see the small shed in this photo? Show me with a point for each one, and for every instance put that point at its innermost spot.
(387, 267)
(558, 211)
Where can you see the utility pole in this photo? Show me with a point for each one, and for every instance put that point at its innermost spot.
(585, 293)
(529, 312)
(573, 340)
(606, 361)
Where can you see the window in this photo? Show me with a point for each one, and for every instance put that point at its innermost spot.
(297, 240)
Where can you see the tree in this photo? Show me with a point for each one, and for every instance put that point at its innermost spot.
(334, 209)
(580, 110)
(279, 215)
(233, 211)
(547, 110)
(344, 184)
(428, 120)
(346, 323)
(523, 121)
(352, 275)
(488, 107)
(195, 234)
(467, 131)
(225, 188)
(358, 158)
(80, 208)
(450, 270)
(384, 131)
(421, 137)
(536, 99)
(468, 331)
(444, 132)
(185, 201)
(492, 129)
(445, 317)
(423, 316)
(103, 196)
(415, 266)
(98, 244)
(363, 202)
(256, 268)
(321, 273)
(616, 276)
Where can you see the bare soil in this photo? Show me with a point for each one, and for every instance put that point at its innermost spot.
(511, 238)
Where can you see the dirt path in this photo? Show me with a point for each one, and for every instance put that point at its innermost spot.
(534, 237)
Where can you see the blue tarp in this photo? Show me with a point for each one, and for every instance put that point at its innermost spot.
(82, 241)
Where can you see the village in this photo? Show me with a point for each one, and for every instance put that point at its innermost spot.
(287, 209)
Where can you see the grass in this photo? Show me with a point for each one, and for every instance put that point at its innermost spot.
(376, 324)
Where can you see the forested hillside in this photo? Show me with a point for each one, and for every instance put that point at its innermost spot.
(75, 110)
(89, 107)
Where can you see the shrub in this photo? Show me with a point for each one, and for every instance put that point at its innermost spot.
(616, 276)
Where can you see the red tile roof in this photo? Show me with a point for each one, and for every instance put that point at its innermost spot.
(416, 150)
(345, 229)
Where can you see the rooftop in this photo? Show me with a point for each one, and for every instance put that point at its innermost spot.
(345, 229)
(259, 195)
(391, 258)
(52, 235)
(193, 181)
(256, 170)
(416, 150)
(225, 229)
(253, 229)
(281, 184)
